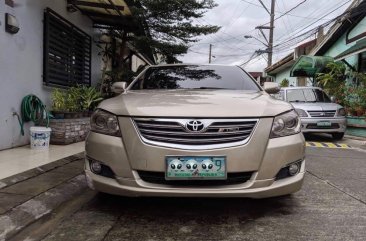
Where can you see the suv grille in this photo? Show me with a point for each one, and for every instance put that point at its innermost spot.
(216, 132)
(327, 113)
(159, 178)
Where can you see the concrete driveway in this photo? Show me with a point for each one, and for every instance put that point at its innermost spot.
(331, 206)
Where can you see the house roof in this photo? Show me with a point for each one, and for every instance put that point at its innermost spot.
(356, 14)
(289, 60)
(105, 13)
(255, 74)
(359, 47)
(281, 65)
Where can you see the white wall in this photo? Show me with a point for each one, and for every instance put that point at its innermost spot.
(21, 62)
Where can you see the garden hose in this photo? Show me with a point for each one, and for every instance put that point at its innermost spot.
(32, 109)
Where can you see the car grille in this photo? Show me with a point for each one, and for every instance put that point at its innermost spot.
(159, 178)
(315, 126)
(327, 113)
(172, 131)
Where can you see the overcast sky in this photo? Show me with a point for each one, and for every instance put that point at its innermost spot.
(240, 17)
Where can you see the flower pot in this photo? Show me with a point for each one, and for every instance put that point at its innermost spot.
(71, 115)
(58, 114)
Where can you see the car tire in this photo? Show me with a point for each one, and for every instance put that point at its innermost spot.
(338, 136)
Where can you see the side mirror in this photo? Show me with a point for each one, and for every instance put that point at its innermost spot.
(333, 99)
(119, 87)
(271, 87)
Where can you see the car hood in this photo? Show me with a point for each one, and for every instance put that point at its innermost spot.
(195, 103)
(316, 106)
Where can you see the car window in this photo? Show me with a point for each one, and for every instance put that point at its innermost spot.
(195, 77)
(307, 95)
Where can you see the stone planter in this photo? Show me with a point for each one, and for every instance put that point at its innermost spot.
(356, 126)
(67, 131)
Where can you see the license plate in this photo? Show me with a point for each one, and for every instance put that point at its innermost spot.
(195, 167)
(324, 124)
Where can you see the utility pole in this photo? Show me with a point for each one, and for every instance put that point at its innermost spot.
(271, 27)
(209, 54)
(271, 12)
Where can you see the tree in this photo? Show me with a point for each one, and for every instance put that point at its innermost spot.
(168, 25)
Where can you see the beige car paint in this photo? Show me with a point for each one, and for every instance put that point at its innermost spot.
(261, 154)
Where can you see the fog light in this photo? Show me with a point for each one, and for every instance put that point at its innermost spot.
(96, 167)
(293, 169)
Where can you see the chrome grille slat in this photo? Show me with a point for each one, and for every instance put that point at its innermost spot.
(161, 126)
(195, 141)
(231, 126)
(173, 133)
(194, 134)
(327, 113)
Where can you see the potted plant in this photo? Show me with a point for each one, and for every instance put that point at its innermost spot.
(284, 83)
(58, 103)
(90, 98)
(73, 103)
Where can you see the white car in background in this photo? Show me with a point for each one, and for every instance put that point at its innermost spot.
(318, 113)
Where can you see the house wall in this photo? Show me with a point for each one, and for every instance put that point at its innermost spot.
(285, 74)
(340, 45)
(21, 62)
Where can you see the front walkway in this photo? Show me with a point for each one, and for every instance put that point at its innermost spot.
(21, 159)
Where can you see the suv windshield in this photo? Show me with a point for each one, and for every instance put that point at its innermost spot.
(195, 77)
(307, 95)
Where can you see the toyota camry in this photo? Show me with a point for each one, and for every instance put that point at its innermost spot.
(195, 130)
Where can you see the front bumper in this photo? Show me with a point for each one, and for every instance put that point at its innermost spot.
(253, 189)
(129, 155)
(310, 125)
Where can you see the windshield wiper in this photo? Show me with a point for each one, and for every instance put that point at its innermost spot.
(297, 101)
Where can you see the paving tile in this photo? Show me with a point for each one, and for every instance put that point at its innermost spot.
(39, 184)
(75, 167)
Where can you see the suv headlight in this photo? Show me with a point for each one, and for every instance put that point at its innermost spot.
(104, 123)
(301, 112)
(286, 124)
(341, 112)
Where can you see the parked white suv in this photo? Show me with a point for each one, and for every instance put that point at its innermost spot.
(318, 113)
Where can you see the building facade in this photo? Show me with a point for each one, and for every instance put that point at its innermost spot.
(47, 44)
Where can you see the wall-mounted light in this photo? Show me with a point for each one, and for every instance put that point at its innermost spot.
(11, 24)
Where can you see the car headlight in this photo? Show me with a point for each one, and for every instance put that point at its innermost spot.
(105, 123)
(301, 112)
(286, 124)
(341, 112)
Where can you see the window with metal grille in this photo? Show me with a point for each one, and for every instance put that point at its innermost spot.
(67, 52)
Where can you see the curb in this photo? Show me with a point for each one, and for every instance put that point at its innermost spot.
(6, 182)
(36, 208)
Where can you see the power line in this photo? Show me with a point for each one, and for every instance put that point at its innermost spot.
(312, 30)
(219, 55)
(293, 15)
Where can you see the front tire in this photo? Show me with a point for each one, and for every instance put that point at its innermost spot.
(338, 136)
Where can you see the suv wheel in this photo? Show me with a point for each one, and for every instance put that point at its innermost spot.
(338, 136)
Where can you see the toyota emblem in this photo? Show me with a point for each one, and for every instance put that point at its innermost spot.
(195, 126)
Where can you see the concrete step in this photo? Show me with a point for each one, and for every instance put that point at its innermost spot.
(32, 203)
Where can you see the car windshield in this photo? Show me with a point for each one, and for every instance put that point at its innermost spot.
(307, 95)
(195, 77)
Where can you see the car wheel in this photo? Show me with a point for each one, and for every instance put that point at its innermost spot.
(338, 136)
